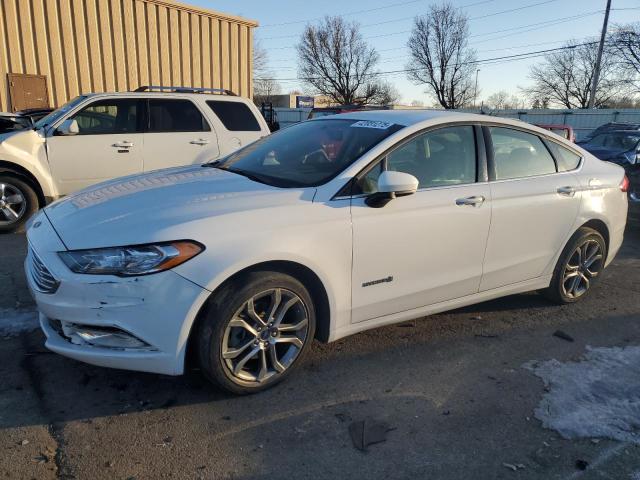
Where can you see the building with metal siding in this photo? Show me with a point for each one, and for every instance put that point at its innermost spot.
(83, 46)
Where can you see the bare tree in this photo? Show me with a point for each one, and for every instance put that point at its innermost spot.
(440, 55)
(387, 94)
(626, 47)
(565, 77)
(264, 85)
(502, 100)
(334, 60)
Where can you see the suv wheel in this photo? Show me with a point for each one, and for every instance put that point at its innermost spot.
(579, 266)
(18, 201)
(256, 330)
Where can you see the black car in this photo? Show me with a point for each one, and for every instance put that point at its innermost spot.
(621, 147)
(609, 127)
(10, 122)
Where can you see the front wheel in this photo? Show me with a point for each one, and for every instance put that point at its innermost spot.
(256, 330)
(578, 267)
(18, 202)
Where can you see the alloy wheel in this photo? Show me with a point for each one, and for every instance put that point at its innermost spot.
(13, 204)
(585, 263)
(265, 336)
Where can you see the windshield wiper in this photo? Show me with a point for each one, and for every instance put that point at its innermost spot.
(212, 164)
(249, 175)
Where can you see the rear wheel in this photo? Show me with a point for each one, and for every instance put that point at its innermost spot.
(578, 267)
(18, 201)
(256, 330)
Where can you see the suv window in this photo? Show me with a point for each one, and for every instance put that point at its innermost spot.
(566, 159)
(235, 116)
(106, 117)
(518, 154)
(174, 115)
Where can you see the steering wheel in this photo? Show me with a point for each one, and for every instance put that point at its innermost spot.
(317, 157)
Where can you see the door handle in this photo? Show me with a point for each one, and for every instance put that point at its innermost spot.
(124, 144)
(473, 201)
(567, 191)
(200, 141)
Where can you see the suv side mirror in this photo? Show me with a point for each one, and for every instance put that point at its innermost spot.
(390, 186)
(68, 127)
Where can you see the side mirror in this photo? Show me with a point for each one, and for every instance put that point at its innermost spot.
(390, 186)
(68, 127)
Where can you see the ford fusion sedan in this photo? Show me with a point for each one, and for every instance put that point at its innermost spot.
(327, 228)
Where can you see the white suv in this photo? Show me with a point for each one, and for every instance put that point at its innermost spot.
(100, 136)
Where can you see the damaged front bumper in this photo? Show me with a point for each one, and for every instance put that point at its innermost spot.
(133, 323)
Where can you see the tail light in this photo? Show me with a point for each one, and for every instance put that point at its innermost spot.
(624, 185)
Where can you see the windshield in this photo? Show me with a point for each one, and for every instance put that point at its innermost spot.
(309, 153)
(53, 116)
(618, 140)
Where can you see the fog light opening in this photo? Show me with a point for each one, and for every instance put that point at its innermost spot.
(103, 337)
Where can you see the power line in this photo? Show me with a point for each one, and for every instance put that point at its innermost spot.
(412, 17)
(474, 62)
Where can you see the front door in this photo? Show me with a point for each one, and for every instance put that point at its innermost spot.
(533, 208)
(177, 134)
(109, 144)
(427, 247)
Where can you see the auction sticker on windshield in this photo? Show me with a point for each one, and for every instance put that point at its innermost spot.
(372, 124)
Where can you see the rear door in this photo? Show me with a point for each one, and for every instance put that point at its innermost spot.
(239, 124)
(177, 134)
(109, 144)
(534, 206)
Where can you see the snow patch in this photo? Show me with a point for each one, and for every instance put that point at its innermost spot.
(13, 322)
(598, 396)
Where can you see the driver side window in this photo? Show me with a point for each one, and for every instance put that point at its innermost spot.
(106, 117)
(442, 157)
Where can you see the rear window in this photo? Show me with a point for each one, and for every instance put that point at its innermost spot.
(235, 116)
(170, 115)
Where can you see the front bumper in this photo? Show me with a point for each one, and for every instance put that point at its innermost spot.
(158, 310)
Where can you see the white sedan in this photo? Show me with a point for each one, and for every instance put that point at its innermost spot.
(322, 230)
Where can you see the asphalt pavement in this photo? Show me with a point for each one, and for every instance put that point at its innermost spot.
(449, 392)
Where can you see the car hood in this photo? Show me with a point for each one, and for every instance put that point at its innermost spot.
(159, 206)
(603, 153)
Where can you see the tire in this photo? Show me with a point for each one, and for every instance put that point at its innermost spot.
(18, 202)
(230, 334)
(578, 268)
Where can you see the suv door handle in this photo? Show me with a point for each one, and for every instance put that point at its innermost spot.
(473, 201)
(124, 144)
(200, 141)
(567, 191)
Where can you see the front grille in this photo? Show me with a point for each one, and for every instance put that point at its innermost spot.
(44, 281)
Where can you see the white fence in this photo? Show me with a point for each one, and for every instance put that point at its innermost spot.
(582, 121)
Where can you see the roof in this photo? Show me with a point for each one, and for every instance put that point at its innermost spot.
(411, 117)
(203, 11)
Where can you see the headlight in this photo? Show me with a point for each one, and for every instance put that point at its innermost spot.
(133, 260)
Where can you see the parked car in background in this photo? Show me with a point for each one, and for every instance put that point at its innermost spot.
(20, 120)
(321, 230)
(609, 127)
(565, 131)
(100, 136)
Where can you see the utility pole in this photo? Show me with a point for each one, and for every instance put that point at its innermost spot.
(596, 72)
(475, 90)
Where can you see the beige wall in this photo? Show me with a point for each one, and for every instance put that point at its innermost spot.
(117, 45)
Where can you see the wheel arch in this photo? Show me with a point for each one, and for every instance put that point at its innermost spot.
(26, 175)
(301, 272)
(600, 227)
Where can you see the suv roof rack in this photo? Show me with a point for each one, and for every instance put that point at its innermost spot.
(159, 88)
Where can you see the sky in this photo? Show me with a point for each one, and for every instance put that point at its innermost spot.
(498, 28)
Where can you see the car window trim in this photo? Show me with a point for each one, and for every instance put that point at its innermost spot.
(547, 143)
(346, 191)
(147, 117)
(84, 106)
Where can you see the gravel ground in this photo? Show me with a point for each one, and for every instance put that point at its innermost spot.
(452, 389)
